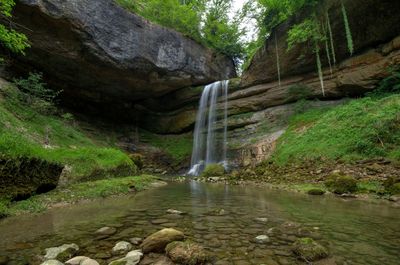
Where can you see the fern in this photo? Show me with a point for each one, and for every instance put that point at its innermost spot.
(349, 37)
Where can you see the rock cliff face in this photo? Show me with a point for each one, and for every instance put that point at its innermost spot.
(259, 108)
(106, 57)
(372, 23)
(112, 61)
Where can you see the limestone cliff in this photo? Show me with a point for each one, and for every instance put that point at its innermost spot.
(106, 58)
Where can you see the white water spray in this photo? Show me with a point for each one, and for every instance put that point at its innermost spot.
(207, 147)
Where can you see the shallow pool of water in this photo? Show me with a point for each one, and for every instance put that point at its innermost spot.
(222, 219)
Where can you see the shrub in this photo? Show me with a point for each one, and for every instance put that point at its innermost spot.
(390, 84)
(340, 184)
(33, 92)
(213, 170)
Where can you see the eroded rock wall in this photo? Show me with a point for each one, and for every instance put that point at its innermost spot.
(106, 58)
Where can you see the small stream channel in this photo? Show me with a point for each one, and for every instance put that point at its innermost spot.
(222, 219)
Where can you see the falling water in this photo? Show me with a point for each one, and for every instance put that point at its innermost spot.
(207, 147)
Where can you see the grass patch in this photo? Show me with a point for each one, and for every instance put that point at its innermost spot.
(26, 132)
(179, 147)
(77, 192)
(363, 128)
(366, 186)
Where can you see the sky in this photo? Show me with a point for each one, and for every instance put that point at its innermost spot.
(250, 27)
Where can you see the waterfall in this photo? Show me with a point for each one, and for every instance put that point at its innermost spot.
(208, 147)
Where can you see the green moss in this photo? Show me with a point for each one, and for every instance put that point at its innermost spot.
(395, 189)
(179, 147)
(309, 250)
(341, 184)
(77, 192)
(370, 187)
(362, 128)
(316, 192)
(25, 132)
(4, 210)
(213, 170)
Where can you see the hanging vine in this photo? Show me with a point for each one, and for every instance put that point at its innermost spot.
(309, 31)
(278, 62)
(349, 36)
(328, 22)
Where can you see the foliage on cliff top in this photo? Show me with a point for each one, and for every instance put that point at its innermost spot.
(363, 128)
(26, 132)
(9, 38)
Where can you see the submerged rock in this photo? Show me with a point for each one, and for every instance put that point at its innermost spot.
(89, 262)
(76, 260)
(4, 260)
(159, 240)
(262, 239)
(121, 247)
(52, 262)
(172, 211)
(261, 220)
(136, 240)
(106, 231)
(132, 258)
(62, 253)
(309, 250)
(186, 253)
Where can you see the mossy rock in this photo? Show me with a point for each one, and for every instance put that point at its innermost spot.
(21, 177)
(316, 192)
(309, 250)
(395, 189)
(137, 159)
(213, 170)
(187, 253)
(341, 184)
(392, 185)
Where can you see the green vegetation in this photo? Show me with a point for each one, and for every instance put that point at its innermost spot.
(205, 21)
(316, 192)
(362, 128)
(213, 170)
(9, 38)
(309, 250)
(392, 185)
(26, 132)
(75, 193)
(340, 184)
(179, 147)
(32, 92)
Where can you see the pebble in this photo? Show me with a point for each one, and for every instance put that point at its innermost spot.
(122, 247)
(262, 239)
(172, 211)
(136, 240)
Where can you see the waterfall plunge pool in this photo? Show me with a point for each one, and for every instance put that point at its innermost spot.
(221, 218)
